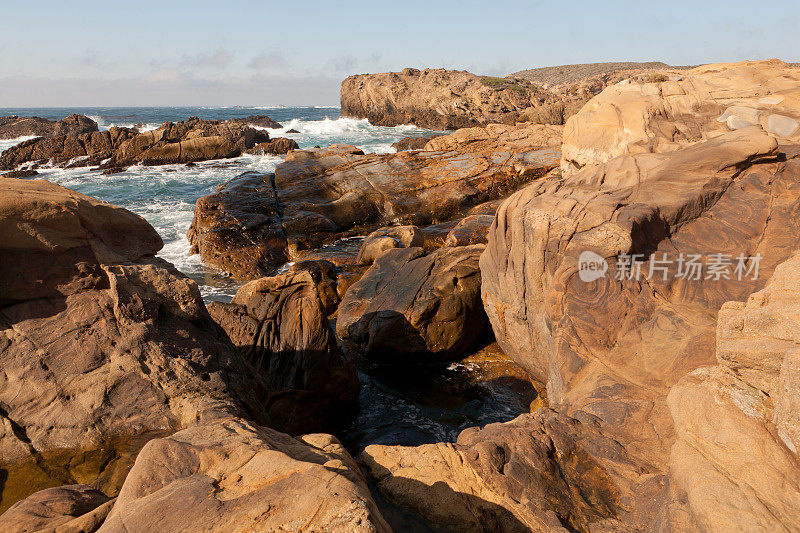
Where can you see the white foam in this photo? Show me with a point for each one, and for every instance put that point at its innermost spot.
(5, 144)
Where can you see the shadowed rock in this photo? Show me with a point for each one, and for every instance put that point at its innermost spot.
(415, 305)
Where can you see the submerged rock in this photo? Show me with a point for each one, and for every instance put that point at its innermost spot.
(410, 304)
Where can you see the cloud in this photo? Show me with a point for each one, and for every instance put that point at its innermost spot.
(342, 64)
(167, 87)
(92, 59)
(213, 59)
(274, 60)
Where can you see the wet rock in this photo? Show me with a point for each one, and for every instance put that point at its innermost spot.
(234, 476)
(292, 131)
(410, 304)
(117, 342)
(277, 146)
(382, 240)
(64, 509)
(21, 174)
(280, 327)
(238, 229)
(262, 121)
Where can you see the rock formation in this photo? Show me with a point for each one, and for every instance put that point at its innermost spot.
(233, 476)
(15, 126)
(256, 222)
(642, 434)
(100, 342)
(415, 305)
(280, 327)
(380, 241)
(688, 106)
(64, 509)
(436, 99)
(179, 142)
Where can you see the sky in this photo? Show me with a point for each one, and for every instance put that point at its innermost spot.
(238, 52)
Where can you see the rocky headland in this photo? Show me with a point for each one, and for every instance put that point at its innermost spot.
(668, 400)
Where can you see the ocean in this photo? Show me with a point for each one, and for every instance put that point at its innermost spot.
(404, 405)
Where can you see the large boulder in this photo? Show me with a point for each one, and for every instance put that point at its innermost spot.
(280, 327)
(380, 241)
(101, 343)
(668, 112)
(233, 476)
(277, 146)
(254, 224)
(610, 344)
(66, 509)
(410, 304)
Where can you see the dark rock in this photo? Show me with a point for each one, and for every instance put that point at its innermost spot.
(21, 174)
(262, 121)
(413, 305)
(276, 146)
(412, 143)
(280, 327)
(293, 131)
(14, 126)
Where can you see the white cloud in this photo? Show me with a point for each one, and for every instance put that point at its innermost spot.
(216, 59)
(274, 60)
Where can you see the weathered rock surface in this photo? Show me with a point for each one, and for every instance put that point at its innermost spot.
(15, 126)
(412, 143)
(738, 423)
(380, 241)
(410, 304)
(437, 99)
(100, 342)
(612, 347)
(472, 229)
(262, 121)
(179, 142)
(277, 146)
(67, 509)
(253, 224)
(539, 472)
(234, 476)
(667, 113)
(280, 327)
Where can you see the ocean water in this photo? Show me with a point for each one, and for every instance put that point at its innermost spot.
(165, 195)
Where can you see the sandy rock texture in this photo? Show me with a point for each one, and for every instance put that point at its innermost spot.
(684, 107)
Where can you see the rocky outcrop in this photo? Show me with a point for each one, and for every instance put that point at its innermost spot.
(277, 146)
(67, 509)
(540, 472)
(436, 99)
(668, 113)
(15, 126)
(410, 304)
(180, 142)
(738, 423)
(234, 476)
(101, 344)
(256, 222)
(380, 241)
(261, 121)
(280, 327)
(412, 143)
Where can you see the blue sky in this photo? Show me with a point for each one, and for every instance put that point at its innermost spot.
(171, 52)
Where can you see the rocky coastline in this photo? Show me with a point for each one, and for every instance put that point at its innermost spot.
(548, 223)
